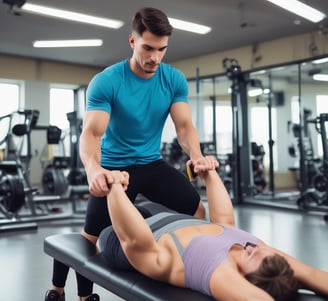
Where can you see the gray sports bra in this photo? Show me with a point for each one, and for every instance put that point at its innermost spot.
(204, 253)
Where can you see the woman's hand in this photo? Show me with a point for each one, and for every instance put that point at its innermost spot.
(101, 179)
(202, 165)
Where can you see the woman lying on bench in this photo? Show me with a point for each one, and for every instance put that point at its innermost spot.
(213, 257)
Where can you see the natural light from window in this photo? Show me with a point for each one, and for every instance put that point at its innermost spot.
(322, 107)
(223, 127)
(61, 103)
(10, 103)
(10, 97)
(259, 127)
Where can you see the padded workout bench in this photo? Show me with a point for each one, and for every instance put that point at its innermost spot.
(80, 254)
(77, 252)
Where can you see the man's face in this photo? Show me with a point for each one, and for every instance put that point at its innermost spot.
(148, 52)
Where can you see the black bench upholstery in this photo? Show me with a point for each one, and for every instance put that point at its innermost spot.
(80, 254)
(77, 252)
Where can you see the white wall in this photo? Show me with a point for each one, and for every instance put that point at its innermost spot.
(37, 96)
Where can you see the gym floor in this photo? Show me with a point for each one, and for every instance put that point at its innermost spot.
(26, 270)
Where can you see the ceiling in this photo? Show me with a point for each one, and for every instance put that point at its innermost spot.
(234, 23)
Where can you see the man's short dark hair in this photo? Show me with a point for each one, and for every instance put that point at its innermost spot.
(153, 20)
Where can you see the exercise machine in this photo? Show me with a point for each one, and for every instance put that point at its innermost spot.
(244, 188)
(16, 190)
(14, 171)
(54, 181)
(241, 165)
(308, 163)
(314, 179)
(77, 175)
(257, 155)
(173, 154)
(65, 174)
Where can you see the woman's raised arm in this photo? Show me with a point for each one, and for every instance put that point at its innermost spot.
(219, 203)
(309, 277)
(134, 234)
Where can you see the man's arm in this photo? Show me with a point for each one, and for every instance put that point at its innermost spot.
(94, 126)
(188, 137)
(186, 132)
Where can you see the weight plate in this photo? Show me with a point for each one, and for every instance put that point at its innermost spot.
(54, 181)
(12, 193)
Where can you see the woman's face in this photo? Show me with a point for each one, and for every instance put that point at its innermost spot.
(252, 256)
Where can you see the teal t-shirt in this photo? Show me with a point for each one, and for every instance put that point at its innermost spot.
(138, 110)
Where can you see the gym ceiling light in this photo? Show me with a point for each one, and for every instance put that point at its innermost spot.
(317, 73)
(255, 88)
(189, 26)
(67, 43)
(70, 15)
(20, 5)
(321, 61)
(301, 9)
(320, 77)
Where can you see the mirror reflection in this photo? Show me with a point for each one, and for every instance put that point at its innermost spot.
(283, 131)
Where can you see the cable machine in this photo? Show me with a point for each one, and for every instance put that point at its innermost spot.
(313, 195)
(242, 174)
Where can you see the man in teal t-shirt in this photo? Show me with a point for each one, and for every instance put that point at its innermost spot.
(138, 108)
(127, 106)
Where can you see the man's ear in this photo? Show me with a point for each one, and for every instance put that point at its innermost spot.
(131, 40)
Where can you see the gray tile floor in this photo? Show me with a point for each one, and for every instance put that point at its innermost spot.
(26, 270)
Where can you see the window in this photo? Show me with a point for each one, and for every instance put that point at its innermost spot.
(223, 126)
(259, 126)
(61, 103)
(295, 108)
(10, 98)
(322, 107)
